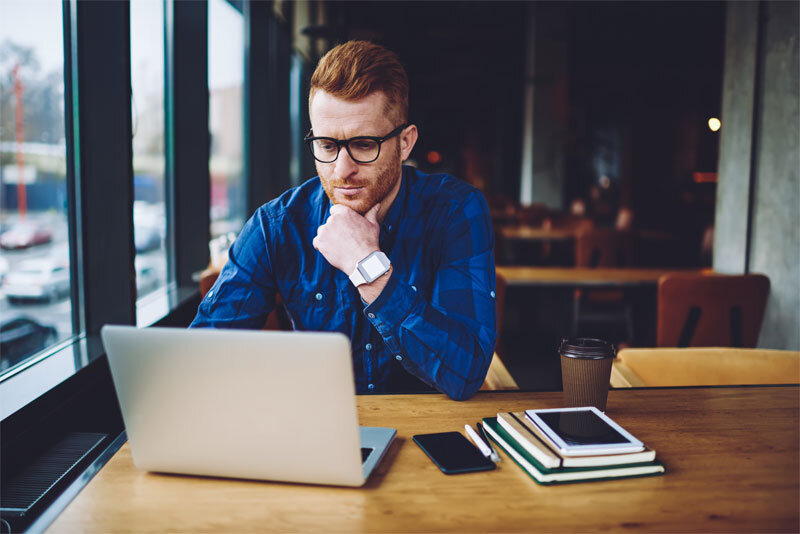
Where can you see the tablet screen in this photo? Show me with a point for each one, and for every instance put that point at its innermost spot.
(581, 427)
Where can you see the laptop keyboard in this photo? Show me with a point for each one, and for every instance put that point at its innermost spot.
(365, 452)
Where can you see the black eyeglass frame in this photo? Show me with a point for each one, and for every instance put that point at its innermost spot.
(308, 139)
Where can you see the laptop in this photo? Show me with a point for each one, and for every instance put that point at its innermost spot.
(242, 404)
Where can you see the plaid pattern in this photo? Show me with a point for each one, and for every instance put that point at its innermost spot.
(435, 319)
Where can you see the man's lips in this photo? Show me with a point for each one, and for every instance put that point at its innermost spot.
(349, 190)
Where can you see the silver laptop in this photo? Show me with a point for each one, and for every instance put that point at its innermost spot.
(243, 404)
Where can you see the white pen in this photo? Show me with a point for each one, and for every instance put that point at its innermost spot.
(476, 439)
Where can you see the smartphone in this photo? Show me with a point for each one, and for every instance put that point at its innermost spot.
(453, 453)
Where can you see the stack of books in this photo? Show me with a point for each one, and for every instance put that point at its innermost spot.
(534, 452)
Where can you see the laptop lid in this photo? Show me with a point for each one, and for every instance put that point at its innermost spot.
(238, 403)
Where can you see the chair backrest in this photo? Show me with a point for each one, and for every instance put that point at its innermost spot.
(604, 247)
(705, 366)
(710, 310)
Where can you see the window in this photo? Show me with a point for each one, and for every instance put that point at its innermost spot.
(35, 303)
(225, 84)
(147, 114)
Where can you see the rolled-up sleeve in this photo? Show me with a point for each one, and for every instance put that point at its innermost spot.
(448, 340)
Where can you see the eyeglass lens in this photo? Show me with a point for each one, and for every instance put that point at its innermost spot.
(361, 150)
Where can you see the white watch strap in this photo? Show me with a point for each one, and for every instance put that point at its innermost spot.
(357, 278)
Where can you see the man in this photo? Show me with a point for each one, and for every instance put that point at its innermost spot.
(400, 261)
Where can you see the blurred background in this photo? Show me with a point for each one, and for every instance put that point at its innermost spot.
(671, 125)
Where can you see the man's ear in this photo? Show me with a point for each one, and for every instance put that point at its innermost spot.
(407, 141)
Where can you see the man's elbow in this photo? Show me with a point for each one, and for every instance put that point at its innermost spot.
(468, 388)
(464, 394)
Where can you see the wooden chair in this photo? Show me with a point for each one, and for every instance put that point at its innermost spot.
(704, 367)
(498, 377)
(603, 247)
(710, 310)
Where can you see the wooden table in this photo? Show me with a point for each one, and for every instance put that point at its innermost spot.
(535, 233)
(583, 276)
(731, 456)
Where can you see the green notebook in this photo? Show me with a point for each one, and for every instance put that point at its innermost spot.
(546, 476)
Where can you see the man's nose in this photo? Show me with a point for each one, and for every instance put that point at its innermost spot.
(344, 165)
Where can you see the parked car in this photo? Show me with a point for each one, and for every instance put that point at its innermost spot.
(37, 279)
(21, 337)
(25, 235)
(147, 238)
(148, 226)
(3, 269)
(147, 279)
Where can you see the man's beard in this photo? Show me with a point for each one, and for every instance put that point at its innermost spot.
(377, 184)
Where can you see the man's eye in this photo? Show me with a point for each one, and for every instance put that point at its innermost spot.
(364, 144)
(326, 145)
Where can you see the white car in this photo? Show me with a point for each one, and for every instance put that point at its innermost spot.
(147, 278)
(38, 279)
(3, 268)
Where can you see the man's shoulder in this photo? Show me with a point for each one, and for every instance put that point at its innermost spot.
(298, 202)
(440, 188)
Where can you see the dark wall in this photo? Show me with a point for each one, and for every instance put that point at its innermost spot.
(644, 79)
(464, 65)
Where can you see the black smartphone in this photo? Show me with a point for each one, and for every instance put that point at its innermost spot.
(453, 453)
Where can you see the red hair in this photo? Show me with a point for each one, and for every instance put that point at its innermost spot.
(356, 69)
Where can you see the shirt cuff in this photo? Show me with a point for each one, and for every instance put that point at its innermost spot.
(392, 306)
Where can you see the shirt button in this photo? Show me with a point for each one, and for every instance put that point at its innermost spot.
(368, 346)
(318, 296)
(414, 288)
(492, 294)
(371, 315)
(371, 387)
(398, 358)
(211, 293)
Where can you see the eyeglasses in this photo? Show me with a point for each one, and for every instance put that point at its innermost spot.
(363, 148)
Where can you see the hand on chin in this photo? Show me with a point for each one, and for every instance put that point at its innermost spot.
(358, 202)
(348, 237)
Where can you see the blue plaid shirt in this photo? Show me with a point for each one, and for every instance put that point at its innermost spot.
(433, 323)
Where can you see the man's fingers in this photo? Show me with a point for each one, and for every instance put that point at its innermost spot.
(372, 214)
(339, 208)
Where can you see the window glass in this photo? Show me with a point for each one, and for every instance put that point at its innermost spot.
(35, 304)
(225, 84)
(147, 113)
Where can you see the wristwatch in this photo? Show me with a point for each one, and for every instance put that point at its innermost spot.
(370, 268)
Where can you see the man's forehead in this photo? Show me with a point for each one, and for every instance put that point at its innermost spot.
(330, 112)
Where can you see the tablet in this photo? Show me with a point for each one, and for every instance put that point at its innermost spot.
(583, 432)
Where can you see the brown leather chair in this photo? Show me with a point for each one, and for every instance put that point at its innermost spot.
(603, 247)
(710, 310)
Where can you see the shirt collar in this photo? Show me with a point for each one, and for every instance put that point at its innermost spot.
(393, 216)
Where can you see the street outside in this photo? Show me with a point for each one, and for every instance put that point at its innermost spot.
(57, 312)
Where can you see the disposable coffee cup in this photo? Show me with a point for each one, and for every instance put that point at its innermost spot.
(586, 371)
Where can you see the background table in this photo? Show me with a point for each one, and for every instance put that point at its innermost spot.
(584, 276)
(731, 456)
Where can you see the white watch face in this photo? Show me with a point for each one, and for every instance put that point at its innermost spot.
(373, 267)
